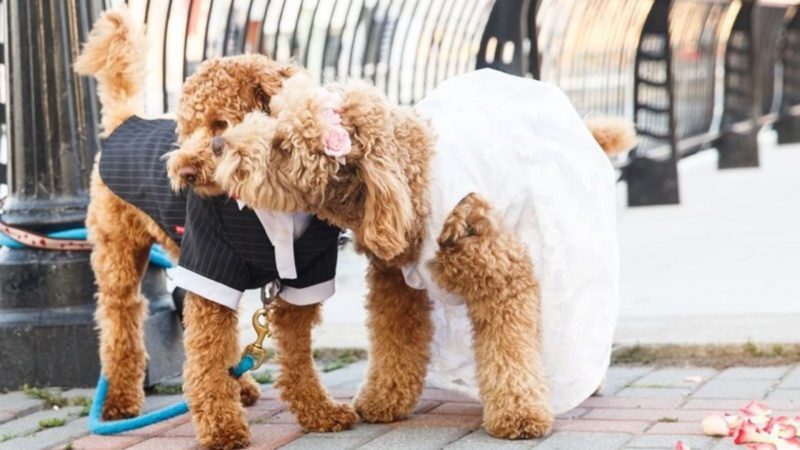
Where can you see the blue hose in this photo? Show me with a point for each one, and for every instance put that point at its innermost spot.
(97, 426)
(158, 257)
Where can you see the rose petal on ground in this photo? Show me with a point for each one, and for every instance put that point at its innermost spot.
(716, 425)
(694, 379)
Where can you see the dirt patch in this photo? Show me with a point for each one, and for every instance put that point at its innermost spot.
(716, 356)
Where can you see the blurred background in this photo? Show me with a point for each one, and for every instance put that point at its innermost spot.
(709, 200)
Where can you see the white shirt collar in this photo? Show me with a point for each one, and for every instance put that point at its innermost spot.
(282, 229)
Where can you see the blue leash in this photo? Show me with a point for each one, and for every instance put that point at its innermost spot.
(158, 257)
(98, 426)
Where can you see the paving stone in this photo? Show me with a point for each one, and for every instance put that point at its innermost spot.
(97, 442)
(417, 438)
(480, 440)
(725, 444)
(731, 406)
(30, 423)
(185, 430)
(440, 420)
(733, 389)
(573, 413)
(426, 405)
(166, 443)
(50, 437)
(618, 378)
(359, 431)
(584, 441)
(273, 436)
(446, 396)
(78, 392)
(154, 402)
(601, 426)
(676, 428)
(19, 404)
(675, 377)
(317, 443)
(160, 428)
(453, 408)
(345, 375)
(652, 392)
(792, 379)
(754, 373)
(668, 442)
(785, 395)
(6, 416)
(647, 414)
(616, 402)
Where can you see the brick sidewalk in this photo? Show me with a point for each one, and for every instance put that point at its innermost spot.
(641, 408)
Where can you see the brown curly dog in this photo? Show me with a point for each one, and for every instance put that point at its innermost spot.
(218, 95)
(378, 186)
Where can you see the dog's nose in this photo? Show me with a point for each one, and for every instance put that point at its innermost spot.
(217, 145)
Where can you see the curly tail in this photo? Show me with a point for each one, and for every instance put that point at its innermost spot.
(115, 55)
(614, 134)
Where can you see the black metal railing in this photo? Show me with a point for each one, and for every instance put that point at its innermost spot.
(733, 65)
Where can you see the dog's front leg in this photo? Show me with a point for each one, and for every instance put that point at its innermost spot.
(490, 268)
(213, 394)
(298, 382)
(400, 332)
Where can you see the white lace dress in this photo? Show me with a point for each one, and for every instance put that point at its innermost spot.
(521, 144)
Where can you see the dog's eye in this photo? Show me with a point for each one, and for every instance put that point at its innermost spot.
(219, 125)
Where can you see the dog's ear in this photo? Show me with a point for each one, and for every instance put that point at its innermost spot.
(269, 82)
(388, 211)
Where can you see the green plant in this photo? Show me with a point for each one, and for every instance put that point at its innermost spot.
(165, 389)
(263, 377)
(51, 398)
(52, 422)
(7, 437)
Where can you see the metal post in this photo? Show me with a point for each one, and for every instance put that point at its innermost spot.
(652, 174)
(788, 124)
(502, 42)
(47, 331)
(738, 144)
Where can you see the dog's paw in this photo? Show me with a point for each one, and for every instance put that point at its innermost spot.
(472, 217)
(223, 432)
(249, 390)
(518, 423)
(123, 405)
(330, 417)
(382, 409)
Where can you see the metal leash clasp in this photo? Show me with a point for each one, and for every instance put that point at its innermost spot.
(263, 329)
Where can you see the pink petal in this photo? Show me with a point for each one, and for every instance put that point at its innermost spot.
(761, 447)
(751, 433)
(716, 425)
(694, 379)
(681, 446)
(755, 408)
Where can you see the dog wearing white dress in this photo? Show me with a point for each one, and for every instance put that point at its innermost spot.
(488, 214)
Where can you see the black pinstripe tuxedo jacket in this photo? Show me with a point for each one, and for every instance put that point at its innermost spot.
(219, 242)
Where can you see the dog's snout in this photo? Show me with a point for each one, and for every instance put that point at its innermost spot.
(217, 145)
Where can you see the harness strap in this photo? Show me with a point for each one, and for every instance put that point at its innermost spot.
(40, 241)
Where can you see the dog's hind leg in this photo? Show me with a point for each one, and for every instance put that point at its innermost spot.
(400, 330)
(119, 258)
(210, 338)
(490, 268)
(298, 382)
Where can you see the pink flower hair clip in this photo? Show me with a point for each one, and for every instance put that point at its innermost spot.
(335, 139)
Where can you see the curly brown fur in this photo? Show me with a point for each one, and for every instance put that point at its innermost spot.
(210, 338)
(220, 93)
(400, 332)
(477, 260)
(277, 162)
(614, 134)
(298, 382)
